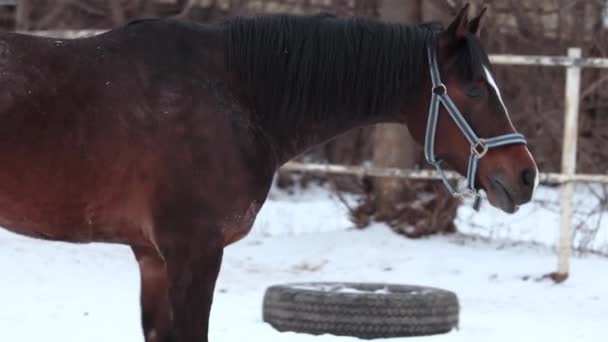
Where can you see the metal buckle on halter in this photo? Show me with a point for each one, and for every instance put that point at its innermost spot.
(440, 89)
(466, 193)
(479, 149)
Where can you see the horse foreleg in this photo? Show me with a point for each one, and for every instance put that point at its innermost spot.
(154, 296)
(192, 267)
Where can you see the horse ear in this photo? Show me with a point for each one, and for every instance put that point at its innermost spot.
(450, 38)
(458, 28)
(475, 23)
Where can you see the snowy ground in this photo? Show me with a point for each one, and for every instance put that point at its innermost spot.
(62, 292)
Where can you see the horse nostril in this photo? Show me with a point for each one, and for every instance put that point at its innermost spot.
(528, 176)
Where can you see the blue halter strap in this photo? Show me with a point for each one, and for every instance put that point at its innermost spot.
(479, 146)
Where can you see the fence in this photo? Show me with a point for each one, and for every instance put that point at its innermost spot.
(567, 178)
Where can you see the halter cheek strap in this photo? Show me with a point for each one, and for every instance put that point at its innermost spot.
(479, 146)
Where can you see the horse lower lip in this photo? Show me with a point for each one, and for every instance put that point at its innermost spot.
(513, 207)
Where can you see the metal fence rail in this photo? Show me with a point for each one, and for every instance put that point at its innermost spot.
(561, 61)
(573, 62)
(372, 171)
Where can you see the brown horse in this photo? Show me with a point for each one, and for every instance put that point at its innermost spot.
(165, 135)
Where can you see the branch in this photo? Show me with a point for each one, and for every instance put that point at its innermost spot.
(593, 86)
(52, 16)
(88, 8)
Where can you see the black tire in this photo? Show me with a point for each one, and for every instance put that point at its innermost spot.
(366, 310)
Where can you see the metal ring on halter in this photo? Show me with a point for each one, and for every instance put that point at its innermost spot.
(475, 148)
(440, 89)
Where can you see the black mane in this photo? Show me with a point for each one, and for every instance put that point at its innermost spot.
(294, 66)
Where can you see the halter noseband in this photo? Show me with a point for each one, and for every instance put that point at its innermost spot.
(479, 146)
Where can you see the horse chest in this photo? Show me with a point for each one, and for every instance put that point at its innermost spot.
(236, 226)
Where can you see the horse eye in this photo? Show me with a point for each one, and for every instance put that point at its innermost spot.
(473, 91)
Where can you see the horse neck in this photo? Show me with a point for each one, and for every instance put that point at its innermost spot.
(322, 84)
(289, 142)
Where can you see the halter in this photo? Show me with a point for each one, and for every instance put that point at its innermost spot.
(479, 146)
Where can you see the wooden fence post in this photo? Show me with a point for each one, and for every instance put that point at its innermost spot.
(573, 85)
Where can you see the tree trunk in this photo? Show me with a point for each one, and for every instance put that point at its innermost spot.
(22, 17)
(393, 146)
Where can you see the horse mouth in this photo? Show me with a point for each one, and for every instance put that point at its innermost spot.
(504, 199)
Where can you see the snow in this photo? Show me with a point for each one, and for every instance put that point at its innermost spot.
(55, 291)
(339, 288)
